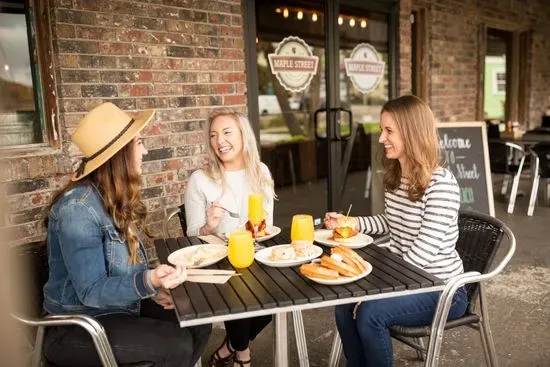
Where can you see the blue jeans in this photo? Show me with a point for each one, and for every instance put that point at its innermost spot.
(366, 339)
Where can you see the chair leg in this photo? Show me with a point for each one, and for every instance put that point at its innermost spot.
(300, 335)
(533, 198)
(38, 346)
(199, 362)
(515, 185)
(420, 353)
(335, 351)
(486, 330)
(504, 187)
(368, 183)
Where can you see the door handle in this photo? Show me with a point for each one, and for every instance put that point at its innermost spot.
(338, 130)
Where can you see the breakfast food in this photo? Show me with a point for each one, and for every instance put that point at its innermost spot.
(340, 266)
(343, 261)
(350, 258)
(303, 248)
(283, 254)
(318, 271)
(258, 231)
(345, 231)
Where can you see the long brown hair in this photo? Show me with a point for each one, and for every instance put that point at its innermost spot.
(260, 182)
(119, 186)
(416, 123)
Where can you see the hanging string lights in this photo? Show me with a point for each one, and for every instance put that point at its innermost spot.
(343, 19)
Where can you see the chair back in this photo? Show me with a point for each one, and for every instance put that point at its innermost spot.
(480, 236)
(32, 271)
(498, 157)
(183, 220)
(542, 150)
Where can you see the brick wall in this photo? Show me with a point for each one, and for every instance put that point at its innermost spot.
(181, 57)
(453, 48)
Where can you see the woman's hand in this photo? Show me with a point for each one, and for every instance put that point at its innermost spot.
(168, 277)
(164, 299)
(332, 218)
(214, 214)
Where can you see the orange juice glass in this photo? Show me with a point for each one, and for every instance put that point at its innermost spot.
(302, 228)
(255, 209)
(240, 251)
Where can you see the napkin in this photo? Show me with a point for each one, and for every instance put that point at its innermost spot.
(218, 279)
(215, 240)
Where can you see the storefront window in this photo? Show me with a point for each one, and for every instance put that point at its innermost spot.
(20, 121)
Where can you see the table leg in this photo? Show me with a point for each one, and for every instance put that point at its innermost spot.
(280, 352)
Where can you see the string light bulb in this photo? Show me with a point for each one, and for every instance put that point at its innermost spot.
(352, 22)
(363, 23)
(314, 17)
(340, 20)
(300, 15)
(278, 10)
(6, 67)
(285, 12)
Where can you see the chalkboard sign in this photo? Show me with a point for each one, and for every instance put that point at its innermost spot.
(466, 153)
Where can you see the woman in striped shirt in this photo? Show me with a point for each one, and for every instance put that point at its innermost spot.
(421, 210)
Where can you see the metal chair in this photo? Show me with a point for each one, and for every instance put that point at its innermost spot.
(33, 260)
(479, 239)
(540, 155)
(297, 318)
(503, 156)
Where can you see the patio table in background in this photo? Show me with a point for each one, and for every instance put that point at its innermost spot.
(264, 290)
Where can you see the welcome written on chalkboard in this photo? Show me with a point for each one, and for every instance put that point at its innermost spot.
(465, 150)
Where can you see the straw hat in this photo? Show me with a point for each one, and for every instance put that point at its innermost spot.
(103, 132)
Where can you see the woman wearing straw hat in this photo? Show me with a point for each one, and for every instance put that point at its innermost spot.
(98, 265)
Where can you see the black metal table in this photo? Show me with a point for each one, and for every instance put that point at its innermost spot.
(264, 290)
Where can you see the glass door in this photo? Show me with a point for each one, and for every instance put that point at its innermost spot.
(323, 76)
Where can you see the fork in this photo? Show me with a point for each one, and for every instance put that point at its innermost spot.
(231, 214)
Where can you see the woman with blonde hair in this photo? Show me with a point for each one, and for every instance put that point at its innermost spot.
(232, 172)
(422, 200)
(97, 262)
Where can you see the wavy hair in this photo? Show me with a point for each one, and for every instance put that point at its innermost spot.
(416, 123)
(259, 181)
(119, 184)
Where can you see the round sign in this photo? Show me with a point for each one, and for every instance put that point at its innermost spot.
(365, 67)
(293, 64)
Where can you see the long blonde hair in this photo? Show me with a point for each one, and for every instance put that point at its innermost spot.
(259, 180)
(416, 123)
(119, 186)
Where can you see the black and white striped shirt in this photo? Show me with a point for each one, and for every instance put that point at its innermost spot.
(423, 233)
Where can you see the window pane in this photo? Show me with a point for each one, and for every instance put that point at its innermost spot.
(19, 118)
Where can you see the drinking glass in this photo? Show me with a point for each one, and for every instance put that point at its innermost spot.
(255, 209)
(302, 228)
(240, 251)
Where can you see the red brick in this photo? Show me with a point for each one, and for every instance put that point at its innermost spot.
(234, 99)
(137, 90)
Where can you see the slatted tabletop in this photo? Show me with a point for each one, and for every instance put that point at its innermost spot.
(265, 290)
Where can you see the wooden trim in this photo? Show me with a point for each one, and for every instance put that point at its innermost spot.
(420, 54)
(44, 54)
(524, 85)
(512, 77)
(249, 25)
(481, 51)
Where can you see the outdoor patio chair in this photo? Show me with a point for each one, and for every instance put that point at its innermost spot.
(297, 318)
(503, 157)
(33, 260)
(540, 154)
(480, 237)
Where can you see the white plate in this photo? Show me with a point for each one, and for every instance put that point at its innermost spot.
(341, 279)
(198, 256)
(324, 237)
(272, 230)
(264, 255)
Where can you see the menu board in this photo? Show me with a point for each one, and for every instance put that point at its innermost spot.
(465, 151)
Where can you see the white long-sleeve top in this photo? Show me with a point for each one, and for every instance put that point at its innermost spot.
(423, 233)
(201, 191)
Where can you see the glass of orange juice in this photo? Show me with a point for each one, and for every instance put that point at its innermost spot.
(240, 250)
(255, 208)
(302, 228)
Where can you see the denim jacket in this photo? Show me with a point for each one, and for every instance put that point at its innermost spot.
(88, 259)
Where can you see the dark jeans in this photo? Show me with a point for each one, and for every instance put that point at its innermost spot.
(241, 332)
(366, 339)
(154, 336)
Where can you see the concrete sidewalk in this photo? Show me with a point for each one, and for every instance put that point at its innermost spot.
(519, 303)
